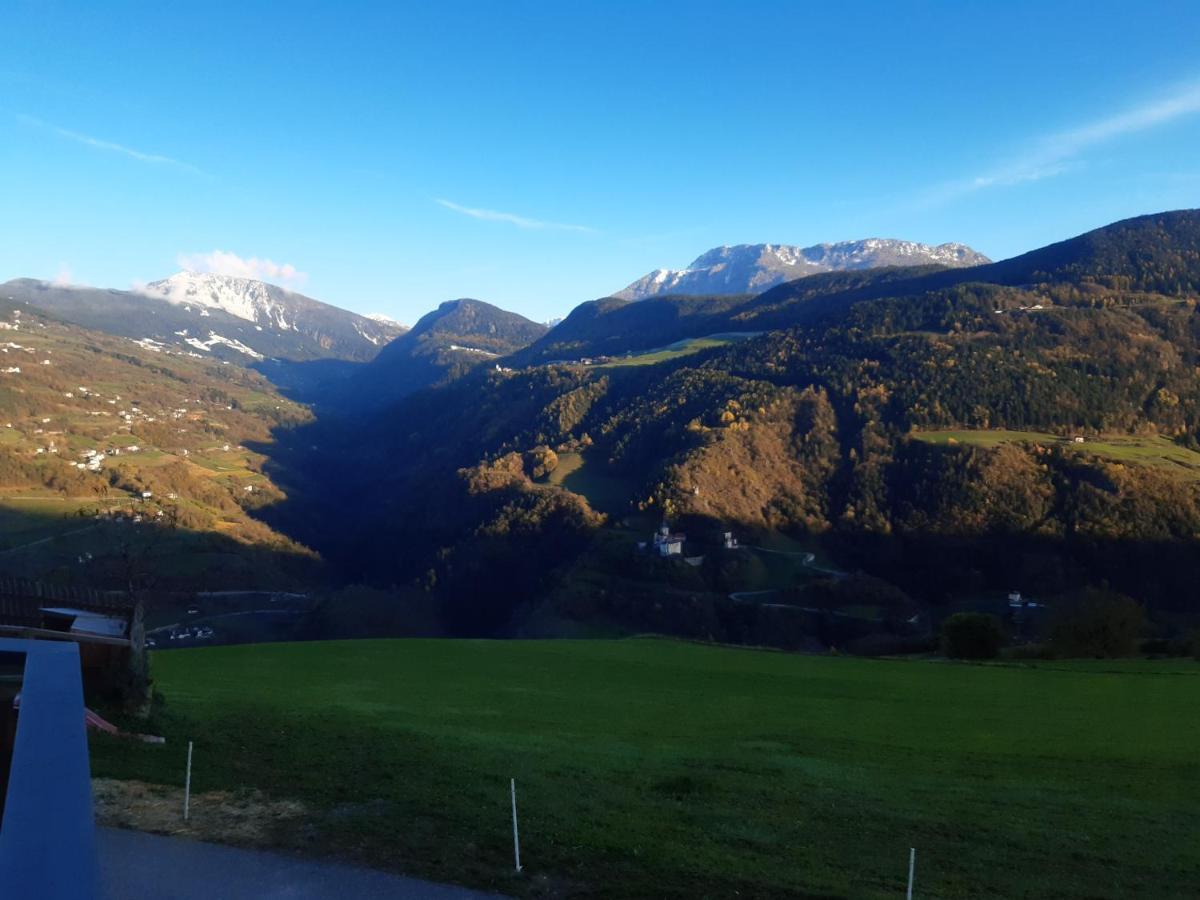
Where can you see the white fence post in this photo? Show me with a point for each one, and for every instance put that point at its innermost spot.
(912, 867)
(187, 785)
(516, 839)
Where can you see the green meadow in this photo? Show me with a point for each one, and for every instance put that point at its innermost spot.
(591, 480)
(652, 768)
(1152, 450)
(685, 347)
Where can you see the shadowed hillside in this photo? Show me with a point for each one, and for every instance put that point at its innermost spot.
(1086, 353)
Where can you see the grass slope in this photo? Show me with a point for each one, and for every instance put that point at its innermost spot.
(655, 769)
(171, 422)
(603, 491)
(1150, 450)
(685, 347)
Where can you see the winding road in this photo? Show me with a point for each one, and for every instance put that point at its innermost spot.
(807, 560)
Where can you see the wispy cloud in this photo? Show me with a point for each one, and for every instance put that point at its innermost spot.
(222, 262)
(111, 146)
(1054, 154)
(491, 215)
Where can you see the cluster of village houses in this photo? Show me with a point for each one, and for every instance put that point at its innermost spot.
(93, 459)
(667, 543)
(12, 345)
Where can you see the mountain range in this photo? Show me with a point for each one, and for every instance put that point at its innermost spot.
(752, 268)
(248, 321)
(220, 316)
(1030, 424)
(919, 423)
(444, 344)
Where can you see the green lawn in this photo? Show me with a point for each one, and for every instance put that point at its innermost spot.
(591, 479)
(986, 437)
(650, 768)
(685, 347)
(1153, 450)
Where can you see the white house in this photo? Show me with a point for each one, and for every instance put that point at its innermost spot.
(667, 544)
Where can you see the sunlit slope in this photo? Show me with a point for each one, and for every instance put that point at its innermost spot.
(99, 432)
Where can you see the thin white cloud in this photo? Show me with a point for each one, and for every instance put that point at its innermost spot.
(1057, 153)
(491, 215)
(222, 262)
(111, 146)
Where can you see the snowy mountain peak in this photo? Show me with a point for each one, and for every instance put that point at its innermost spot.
(255, 301)
(273, 310)
(384, 319)
(752, 268)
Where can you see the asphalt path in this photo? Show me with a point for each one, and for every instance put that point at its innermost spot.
(135, 864)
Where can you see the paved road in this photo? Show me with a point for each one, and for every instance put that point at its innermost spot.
(135, 864)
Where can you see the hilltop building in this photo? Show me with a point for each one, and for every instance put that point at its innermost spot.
(666, 543)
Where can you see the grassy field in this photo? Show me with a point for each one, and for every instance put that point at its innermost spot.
(1152, 450)
(28, 515)
(650, 768)
(686, 347)
(602, 490)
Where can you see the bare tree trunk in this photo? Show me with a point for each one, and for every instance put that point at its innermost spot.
(138, 699)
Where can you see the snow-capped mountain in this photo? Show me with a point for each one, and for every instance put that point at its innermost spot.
(276, 309)
(234, 319)
(384, 319)
(255, 301)
(268, 306)
(752, 268)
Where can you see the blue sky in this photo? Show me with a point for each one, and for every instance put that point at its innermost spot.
(537, 155)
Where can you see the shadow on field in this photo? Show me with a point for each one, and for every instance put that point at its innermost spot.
(101, 546)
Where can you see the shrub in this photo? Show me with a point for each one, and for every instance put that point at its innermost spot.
(1028, 651)
(883, 644)
(1096, 623)
(969, 635)
(1193, 643)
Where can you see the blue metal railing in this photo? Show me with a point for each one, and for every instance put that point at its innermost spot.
(47, 836)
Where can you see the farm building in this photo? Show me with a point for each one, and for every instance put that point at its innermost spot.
(100, 624)
(666, 543)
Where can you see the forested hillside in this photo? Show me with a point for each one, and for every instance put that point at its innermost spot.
(1035, 430)
(444, 345)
